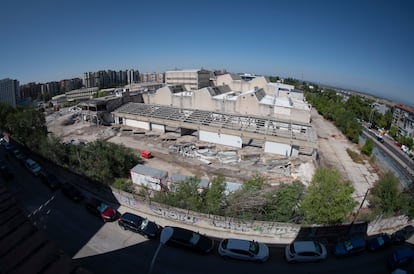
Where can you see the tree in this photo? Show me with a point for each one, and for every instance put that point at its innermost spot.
(185, 195)
(283, 204)
(328, 199)
(393, 131)
(214, 195)
(386, 197)
(28, 126)
(6, 113)
(368, 147)
(249, 201)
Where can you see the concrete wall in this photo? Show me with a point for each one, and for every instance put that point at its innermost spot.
(247, 104)
(218, 138)
(269, 232)
(137, 124)
(202, 100)
(163, 96)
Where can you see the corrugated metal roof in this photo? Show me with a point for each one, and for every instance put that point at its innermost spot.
(149, 171)
(177, 178)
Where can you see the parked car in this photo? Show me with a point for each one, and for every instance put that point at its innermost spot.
(243, 250)
(191, 240)
(71, 192)
(49, 179)
(139, 225)
(5, 171)
(379, 241)
(101, 209)
(403, 234)
(305, 251)
(400, 257)
(32, 166)
(350, 246)
(9, 147)
(21, 157)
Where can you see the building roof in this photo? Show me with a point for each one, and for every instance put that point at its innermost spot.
(228, 96)
(217, 90)
(177, 178)
(235, 76)
(284, 102)
(403, 107)
(149, 171)
(183, 70)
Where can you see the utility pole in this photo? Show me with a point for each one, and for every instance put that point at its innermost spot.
(359, 208)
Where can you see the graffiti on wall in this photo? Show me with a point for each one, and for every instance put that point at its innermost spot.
(126, 200)
(274, 229)
(174, 214)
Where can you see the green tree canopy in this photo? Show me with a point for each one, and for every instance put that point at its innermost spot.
(283, 204)
(185, 195)
(386, 197)
(28, 126)
(368, 147)
(328, 199)
(214, 196)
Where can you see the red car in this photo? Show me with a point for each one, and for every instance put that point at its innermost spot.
(101, 209)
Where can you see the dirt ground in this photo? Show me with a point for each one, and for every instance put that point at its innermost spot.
(236, 164)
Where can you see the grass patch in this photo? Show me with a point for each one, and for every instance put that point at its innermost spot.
(355, 156)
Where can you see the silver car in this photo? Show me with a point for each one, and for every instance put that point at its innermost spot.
(243, 250)
(305, 251)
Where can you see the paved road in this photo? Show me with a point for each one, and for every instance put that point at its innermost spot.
(106, 248)
(401, 160)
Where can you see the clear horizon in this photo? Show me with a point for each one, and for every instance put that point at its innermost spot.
(363, 45)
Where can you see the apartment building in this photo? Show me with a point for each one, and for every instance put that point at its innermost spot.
(110, 78)
(9, 91)
(151, 77)
(403, 119)
(192, 79)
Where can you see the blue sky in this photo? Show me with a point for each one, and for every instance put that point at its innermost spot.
(363, 45)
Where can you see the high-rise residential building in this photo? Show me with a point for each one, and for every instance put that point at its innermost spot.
(88, 80)
(70, 84)
(9, 91)
(403, 119)
(51, 88)
(30, 90)
(192, 79)
(133, 76)
(110, 78)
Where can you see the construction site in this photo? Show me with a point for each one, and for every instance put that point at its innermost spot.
(188, 156)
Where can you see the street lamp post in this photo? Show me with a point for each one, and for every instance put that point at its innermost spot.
(166, 234)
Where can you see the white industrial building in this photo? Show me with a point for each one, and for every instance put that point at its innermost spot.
(256, 97)
(227, 113)
(192, 79)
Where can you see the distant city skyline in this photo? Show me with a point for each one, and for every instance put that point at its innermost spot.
(363, 45)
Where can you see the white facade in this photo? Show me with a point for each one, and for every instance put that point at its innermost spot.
(151, 178)
(192, 79)
(81, 94)
(218, 138)
(9, 91)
